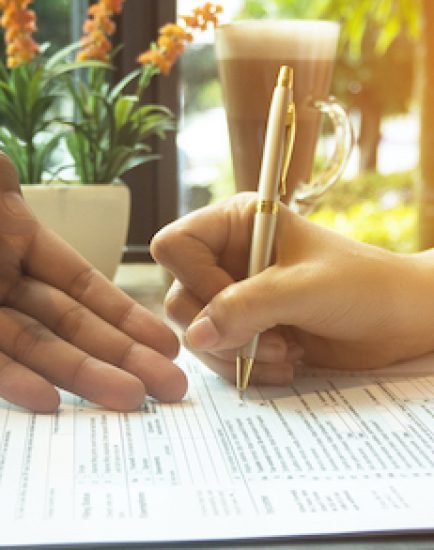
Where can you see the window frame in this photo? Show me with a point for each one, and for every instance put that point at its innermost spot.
(154, 185)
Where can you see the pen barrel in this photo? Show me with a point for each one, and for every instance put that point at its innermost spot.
(264, 229)
(264, 226)
(272, 158)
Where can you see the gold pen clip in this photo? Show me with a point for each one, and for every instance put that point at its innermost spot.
(287, 147)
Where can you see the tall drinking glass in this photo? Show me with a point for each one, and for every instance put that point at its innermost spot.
(249, 54)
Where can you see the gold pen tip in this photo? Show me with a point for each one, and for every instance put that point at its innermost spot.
(243, 369)
(285, 77)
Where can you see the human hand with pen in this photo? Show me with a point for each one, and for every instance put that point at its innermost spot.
(62, 324)
(325, 299)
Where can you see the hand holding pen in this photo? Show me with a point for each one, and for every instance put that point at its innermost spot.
(279, 139)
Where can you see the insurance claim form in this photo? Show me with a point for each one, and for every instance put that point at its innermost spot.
(334, 453)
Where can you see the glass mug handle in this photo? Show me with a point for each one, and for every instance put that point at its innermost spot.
(305, 195)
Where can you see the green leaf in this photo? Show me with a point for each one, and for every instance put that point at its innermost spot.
(145, 110)
(122, 84)
(148, 72)
(115, 163)
(387, 35)
(77, 147)
(61, 55)
(383, 10)
(123, 108)
(78, 65)
(42, 156)
(4, 75)
(34, 87)
(16, 151)
(138, 160)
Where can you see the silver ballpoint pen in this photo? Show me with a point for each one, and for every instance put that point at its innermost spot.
(278, 145)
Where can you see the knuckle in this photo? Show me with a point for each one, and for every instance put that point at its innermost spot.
(126, 353)
(234, 307)
(6, 364)
(9, 281)
(75, 385)
(124, 316)
(69, 324)
(27, 339)
(225, 309)
(82, 283)
(230, 300)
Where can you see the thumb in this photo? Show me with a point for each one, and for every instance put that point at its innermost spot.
(15, 216)
(236, 314)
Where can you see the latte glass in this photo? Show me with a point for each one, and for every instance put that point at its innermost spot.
(249, 54)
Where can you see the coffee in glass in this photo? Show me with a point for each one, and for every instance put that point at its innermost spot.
(249, 54)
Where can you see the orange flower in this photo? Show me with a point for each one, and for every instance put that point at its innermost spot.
(19, 3)
(97, 28)
(204, 15)
(19, 24)
(157, 58)
(113, 6)
(173, 38)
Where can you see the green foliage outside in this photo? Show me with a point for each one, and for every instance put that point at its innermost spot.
(373, 208)
(224, 185)
(391, 17)
(375, 69)
(201, 87)
(375, 74)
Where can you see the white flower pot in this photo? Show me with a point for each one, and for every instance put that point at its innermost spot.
(92, 218)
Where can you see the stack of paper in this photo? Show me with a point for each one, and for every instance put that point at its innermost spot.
(336, 452)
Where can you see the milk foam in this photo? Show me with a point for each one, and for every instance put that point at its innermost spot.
(280, 39)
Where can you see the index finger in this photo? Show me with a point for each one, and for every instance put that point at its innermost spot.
(207, 250)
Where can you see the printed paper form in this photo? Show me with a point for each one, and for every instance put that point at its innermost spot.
(334, 453)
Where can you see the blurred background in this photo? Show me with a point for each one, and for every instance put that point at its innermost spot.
(384, 76)
(380, 77)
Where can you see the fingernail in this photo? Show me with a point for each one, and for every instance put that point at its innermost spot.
(14, 203)
(202, 334)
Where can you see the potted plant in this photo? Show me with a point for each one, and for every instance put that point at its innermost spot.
(106, 136)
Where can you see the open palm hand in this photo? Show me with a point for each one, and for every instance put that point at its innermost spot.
(64, 324)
